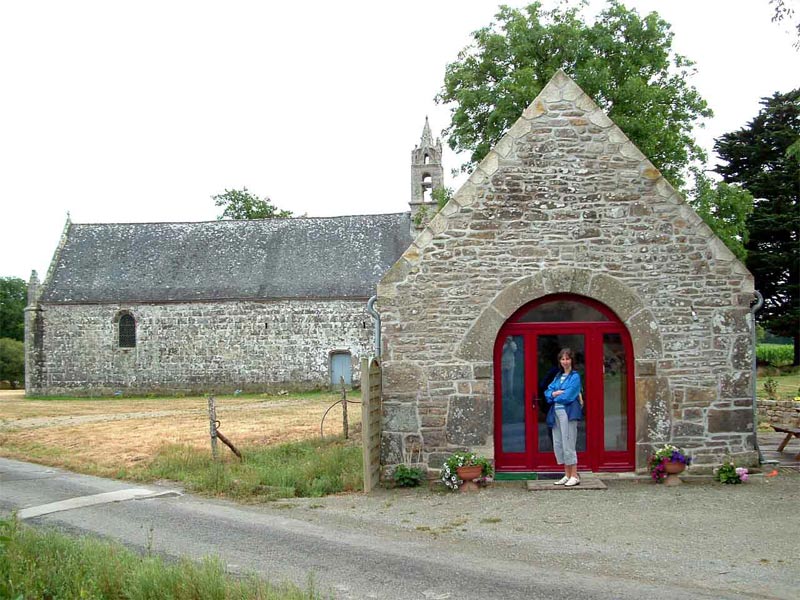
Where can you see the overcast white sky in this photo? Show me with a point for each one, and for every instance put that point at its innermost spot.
(141, 111)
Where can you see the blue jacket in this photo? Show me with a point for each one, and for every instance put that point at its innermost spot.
(569, 399)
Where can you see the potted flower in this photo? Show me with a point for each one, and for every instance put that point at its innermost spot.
(466, 470)
(730, 473)
(666, 463)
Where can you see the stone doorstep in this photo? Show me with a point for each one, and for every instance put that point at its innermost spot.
(546, 485)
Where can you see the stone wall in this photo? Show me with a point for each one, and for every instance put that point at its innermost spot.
(779, 412)
(565, 203)
(194, 347)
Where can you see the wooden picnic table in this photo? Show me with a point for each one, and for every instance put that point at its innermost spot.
(790, 433)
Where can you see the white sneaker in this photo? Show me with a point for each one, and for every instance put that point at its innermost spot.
(561, 481)
(572, 482)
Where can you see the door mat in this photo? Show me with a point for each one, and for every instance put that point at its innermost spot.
(544, 485)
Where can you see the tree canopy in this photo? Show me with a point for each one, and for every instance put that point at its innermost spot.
(242, 204)
(13, 299)
(625, 62)
(725, 208)
(762, 157)
(784, 10)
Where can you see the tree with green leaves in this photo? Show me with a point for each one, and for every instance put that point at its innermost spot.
(13, 299)
(725, 208)
(784, 10)
(625, 62)
(241, 204)
(12, 361)
(762, 158)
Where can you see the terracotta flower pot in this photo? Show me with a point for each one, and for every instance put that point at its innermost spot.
(672, 469)
(468, 474)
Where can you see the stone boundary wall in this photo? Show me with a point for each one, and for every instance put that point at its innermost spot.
(779, 412)
(195, 347)
(565, 203)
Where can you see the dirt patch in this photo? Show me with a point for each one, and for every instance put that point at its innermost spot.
(107, 436)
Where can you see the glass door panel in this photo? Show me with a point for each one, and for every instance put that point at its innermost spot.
(615, 393)
(512, 416)
(547, 349)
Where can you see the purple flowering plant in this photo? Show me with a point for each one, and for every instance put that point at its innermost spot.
(662, 456)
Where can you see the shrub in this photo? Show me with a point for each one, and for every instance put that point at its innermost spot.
(405, 476)
(777, 355)
(12, 360)
(771, 388)
(730, 473)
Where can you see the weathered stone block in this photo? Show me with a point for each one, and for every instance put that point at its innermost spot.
(469, 420)
(730, 420)
(402, 417)
(403, 377)
(391, 448)
(686, 429)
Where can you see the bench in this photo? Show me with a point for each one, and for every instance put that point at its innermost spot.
(790, 433)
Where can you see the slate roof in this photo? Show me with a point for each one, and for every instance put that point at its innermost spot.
(338, 257)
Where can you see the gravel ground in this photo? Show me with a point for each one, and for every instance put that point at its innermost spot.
(727, 541)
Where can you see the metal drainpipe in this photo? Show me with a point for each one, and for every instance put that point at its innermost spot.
(754, 308)
(377, 318)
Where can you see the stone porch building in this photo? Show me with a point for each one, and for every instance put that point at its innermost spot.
(566, 234)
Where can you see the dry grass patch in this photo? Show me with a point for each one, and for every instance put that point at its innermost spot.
(119, 437)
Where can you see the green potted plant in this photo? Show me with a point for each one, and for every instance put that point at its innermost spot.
(666, 462)
(466, 468)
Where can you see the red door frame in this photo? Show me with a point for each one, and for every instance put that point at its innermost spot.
(595, 458)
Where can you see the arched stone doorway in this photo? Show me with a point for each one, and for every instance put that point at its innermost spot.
(525, 353)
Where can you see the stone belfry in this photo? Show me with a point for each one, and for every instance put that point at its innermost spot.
(427, 174)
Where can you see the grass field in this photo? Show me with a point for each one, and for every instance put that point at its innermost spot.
(168, 438)
(788, 386)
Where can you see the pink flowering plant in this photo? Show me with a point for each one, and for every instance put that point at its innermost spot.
(662, 456)
(730, 473)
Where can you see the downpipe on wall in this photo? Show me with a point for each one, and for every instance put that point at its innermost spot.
(376, 317)
(754, 308)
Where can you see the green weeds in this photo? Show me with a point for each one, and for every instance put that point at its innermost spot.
(47, 564)
(310, 468)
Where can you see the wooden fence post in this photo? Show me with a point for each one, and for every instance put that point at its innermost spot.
(345, 428)
(212, 425)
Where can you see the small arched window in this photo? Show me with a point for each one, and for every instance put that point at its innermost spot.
(127, 331)
(427, 159)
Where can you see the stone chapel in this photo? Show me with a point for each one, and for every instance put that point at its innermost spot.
(139, 308)
(564, 235)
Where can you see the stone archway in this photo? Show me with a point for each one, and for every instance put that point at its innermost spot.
(652, 393)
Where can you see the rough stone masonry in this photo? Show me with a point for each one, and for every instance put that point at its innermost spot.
(566, 203)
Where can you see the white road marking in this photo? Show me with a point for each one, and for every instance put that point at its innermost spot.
(81, 501)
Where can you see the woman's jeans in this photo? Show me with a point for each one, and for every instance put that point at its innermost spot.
(565, 436)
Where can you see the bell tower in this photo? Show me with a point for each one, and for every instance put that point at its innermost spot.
(427, 174)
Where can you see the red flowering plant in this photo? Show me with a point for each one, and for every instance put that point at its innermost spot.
(662, 456)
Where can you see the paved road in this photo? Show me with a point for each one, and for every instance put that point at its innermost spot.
(351, 558)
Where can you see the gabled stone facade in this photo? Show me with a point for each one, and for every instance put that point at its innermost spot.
(566, 203)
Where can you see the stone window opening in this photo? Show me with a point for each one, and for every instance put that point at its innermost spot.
(126, 330)
(427, 159)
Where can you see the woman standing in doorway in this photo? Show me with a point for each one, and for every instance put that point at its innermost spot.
(563, 395)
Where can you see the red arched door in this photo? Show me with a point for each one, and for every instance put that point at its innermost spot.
(525, 359)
